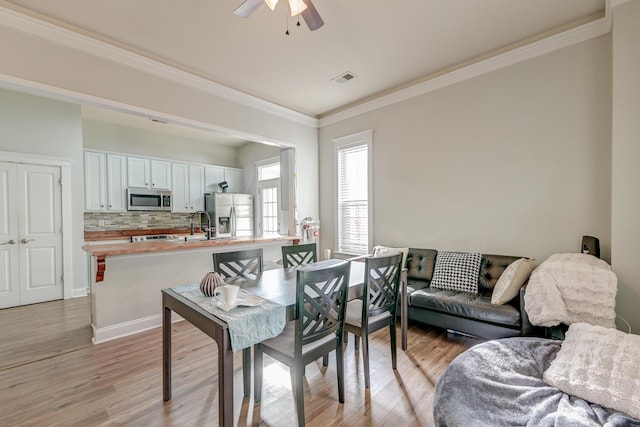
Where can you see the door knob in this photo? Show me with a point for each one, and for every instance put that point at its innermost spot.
(27, 240)
(10, 242)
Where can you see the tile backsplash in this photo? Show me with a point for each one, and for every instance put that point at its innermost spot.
(110, 221)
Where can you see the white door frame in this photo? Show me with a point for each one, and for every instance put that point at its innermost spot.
(67, 207)
(274, 182)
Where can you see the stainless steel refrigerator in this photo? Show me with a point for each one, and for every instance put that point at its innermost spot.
(232, 213)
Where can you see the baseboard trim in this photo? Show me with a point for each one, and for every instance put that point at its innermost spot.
(79, 293)
(121, 330)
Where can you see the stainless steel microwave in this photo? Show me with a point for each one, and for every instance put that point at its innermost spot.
(143, 199)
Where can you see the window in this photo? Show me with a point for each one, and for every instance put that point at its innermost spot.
(353, 189)
(269, 171)
(268, 206)
(269, 210)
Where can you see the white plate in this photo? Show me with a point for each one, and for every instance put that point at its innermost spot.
(246, 301)
(249, 301)
(221, 305)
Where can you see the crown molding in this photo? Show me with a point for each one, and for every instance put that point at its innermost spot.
(558, 41)
(27, 24)
(31, 25)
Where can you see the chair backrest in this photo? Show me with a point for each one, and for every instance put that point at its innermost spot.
(238, 263)
(298, 255)
(381, 283)
(321, 300)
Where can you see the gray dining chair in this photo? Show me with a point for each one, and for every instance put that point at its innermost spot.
(377, 308)
(237, 263)
(321, 295)
(299, 255)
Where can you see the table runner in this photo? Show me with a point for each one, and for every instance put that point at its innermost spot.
(247, 325)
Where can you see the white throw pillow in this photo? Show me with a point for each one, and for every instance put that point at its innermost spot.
(385, 251)
(600, 365)
(511, 280)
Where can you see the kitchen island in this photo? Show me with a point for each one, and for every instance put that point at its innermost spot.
(126, 278)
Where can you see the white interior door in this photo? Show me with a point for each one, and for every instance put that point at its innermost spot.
(40, 233)
(9, 264)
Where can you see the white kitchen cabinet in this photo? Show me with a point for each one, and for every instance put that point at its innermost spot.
(234, 179)
(213, 175)
(216, 174)
(149, 173)
(139, 173)
(196, 187)
(188, 187)
(95, 185)
(160, 175)
(105, 182)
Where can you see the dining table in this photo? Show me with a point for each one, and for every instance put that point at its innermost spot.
(276, 285)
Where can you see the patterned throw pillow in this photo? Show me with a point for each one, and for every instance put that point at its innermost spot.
(457, 271)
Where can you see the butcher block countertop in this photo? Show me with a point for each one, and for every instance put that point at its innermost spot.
(106, 250)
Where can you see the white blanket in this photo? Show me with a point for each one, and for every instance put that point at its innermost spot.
(570, 288)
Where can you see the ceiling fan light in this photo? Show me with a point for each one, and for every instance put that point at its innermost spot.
(271, 3)
(296, 6)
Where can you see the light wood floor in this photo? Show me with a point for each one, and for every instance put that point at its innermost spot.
(120, 383)
(39, 331)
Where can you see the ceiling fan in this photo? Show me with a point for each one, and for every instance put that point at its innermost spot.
(304, 7)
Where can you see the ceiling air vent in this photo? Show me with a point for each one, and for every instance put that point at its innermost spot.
(344, 77)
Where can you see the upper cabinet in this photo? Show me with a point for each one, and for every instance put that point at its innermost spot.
(105, 182)
(188, 187)
(160, 175)
(234, 179)
(108, 175)
(149, 173)
(214, 175)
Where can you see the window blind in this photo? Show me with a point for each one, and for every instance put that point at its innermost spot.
(353, 205)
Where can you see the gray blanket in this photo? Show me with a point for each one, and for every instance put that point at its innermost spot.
(499, 383)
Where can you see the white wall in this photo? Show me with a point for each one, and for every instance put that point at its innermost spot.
(248, 155)
(34, 125)
(31, 61)
(123, 139)
(517, 161)
(625, 205)
(35, 64)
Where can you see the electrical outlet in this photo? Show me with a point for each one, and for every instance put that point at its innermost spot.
(101, 223)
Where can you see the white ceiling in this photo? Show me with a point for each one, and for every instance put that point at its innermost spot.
(386, 44)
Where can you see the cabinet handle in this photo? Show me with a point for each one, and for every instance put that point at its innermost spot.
(110, 206)
(27, 240)
(102, 206)
(10, 242)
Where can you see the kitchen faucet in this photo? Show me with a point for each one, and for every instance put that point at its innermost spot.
(191, 225)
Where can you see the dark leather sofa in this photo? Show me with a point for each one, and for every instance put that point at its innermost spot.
(463, 312)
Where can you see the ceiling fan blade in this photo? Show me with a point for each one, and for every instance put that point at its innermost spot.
(311, 16)
(248, 7)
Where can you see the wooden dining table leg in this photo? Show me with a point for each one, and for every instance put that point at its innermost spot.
(166, 354)
(225, 381)
(246, 370)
